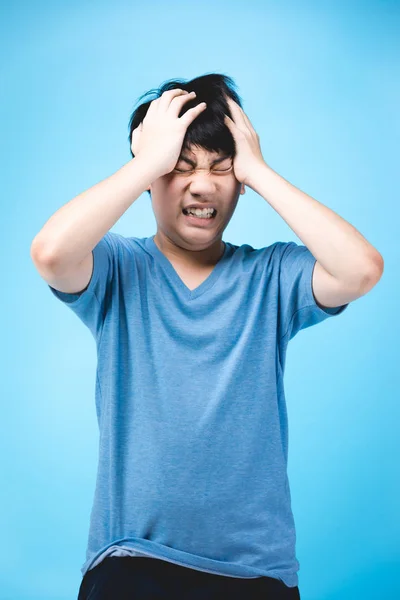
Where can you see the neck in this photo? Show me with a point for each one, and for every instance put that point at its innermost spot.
(204, 257)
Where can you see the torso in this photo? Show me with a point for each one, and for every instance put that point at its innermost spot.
(192, 279)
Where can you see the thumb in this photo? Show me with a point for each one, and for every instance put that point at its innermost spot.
(135, 138)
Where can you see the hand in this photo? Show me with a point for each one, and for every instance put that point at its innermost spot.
(159, 137)
(248, 152)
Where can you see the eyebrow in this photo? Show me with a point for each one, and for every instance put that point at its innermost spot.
(217, 160)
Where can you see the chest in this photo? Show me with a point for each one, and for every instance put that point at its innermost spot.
(192, 278)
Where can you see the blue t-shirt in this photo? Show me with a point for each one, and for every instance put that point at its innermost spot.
(193, 433)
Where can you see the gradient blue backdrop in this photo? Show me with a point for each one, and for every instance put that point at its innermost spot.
(320, 84)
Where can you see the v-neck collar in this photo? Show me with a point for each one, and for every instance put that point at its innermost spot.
(174, 277)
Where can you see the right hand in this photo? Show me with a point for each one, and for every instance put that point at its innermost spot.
(158, 140)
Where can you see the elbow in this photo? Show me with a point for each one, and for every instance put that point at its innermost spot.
(373, 274)
(40, 253)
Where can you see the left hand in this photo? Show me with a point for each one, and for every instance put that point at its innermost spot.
(248, 152)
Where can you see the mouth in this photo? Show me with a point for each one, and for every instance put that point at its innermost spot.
(202, 218)
(200, 213)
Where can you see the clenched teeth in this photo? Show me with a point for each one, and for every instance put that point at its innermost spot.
(198, 212)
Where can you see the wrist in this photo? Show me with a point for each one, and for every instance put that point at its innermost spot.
(144, 170)
(256, 174)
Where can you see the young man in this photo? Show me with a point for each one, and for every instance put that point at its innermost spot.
(192, 494)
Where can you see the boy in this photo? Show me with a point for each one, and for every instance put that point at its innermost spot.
(191, 336)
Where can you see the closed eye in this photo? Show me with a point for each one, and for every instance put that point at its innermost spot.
(215, 170)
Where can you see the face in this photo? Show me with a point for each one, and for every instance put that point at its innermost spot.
(199, 177)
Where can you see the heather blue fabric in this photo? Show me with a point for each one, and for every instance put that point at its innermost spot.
(191, 407)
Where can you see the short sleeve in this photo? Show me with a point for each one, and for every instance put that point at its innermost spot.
(91, 304)
(297, 304)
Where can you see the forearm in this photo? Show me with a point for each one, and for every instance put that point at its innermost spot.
(75, 229)
(334, 242)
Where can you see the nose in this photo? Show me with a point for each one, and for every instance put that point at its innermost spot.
(201, 183)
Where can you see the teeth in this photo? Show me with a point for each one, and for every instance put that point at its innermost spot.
(198, 212)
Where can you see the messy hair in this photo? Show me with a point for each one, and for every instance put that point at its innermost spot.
(208, 130)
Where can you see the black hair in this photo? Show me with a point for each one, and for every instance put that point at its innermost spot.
(208, 130)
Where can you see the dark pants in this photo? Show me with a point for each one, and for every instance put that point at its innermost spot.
(140, 578)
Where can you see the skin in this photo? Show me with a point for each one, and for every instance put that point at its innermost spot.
(190, 245)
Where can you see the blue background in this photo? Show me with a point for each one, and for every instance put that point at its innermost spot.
(320, 84)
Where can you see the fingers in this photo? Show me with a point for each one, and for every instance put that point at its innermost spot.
(192, 113)
(176, 98)
(171, 98)
(165, 100)
(237, 112)
(177, 103)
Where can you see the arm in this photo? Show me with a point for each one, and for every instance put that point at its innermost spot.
(70, 235)
(77, 227)
(347, 265)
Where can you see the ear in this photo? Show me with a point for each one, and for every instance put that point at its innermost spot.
(242, 189)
